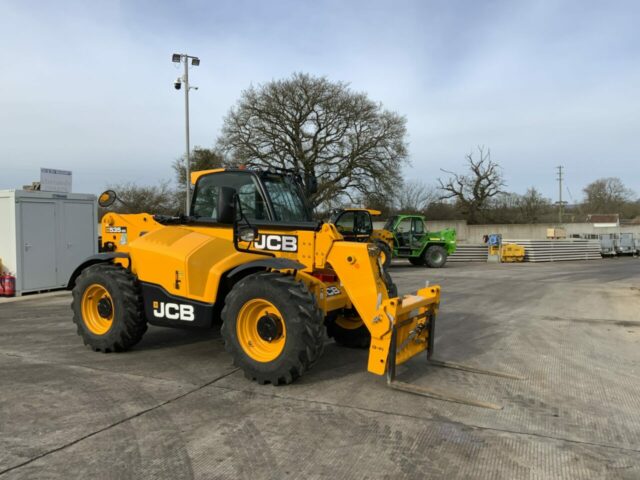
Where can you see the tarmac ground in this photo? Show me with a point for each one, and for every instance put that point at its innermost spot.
(175, 407)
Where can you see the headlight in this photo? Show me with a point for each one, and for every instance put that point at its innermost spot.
(248, 235)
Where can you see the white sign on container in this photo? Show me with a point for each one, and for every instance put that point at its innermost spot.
(52, 180)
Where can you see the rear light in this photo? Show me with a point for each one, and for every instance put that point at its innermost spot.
(326, 277)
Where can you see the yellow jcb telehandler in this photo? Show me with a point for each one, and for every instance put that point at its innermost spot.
(250, 254)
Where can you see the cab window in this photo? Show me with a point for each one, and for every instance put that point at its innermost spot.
(286, 199)
(205, 199)
(418, 226)
(345, 223)
(404, 226)
(362, 224)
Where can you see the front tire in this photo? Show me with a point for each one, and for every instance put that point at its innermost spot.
(435, 256)
(272, 327)
(107, 308)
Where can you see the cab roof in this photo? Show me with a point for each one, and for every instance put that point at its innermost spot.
(269, 170)
(375, 213)
(196, 175)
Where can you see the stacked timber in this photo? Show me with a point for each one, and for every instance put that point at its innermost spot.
(559, 250)
(469, 253)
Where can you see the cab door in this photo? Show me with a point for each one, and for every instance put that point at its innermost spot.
(403, 234)
(355, 226)
(345, 224)
(417, 232)
(362, 227)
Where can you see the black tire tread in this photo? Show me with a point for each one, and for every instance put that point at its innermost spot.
(313, 337)
(134, 322)
(387, 252)
(432, 248)
(350, 338)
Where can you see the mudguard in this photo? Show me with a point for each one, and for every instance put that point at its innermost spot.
(275, 263)
(92, 260)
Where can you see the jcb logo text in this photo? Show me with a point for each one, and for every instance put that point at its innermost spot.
(173, 311)
(278, 243)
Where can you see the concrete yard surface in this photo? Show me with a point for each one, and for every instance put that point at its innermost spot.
(175, 407)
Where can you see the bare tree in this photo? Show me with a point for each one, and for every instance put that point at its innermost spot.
(473, 190)
(606, 195)
(533, 206)
(154, 199)
(382, 201)
(502, 208)
(201, 159)
(318, 128)
(415, 196)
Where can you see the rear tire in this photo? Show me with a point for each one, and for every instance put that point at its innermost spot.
(386, 254)
(392, 288)
(435, 256)
(348, 330)
(272, 327)
(107, 308)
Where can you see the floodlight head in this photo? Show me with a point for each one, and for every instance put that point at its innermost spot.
(195, 61)
(175, 58)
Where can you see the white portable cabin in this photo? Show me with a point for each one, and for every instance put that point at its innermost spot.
(44, 236)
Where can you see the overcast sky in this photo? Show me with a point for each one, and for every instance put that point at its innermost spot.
(87, 86)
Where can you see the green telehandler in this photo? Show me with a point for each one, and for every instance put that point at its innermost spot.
(412, 241)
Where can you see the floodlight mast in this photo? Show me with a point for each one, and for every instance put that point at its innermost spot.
(195, 61)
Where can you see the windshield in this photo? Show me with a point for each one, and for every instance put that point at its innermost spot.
(286, 198)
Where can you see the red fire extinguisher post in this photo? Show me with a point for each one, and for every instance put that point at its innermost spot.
(7, 285)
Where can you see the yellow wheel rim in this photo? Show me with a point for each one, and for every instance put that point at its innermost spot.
(261, 330)
(383, 256)
(97, 309)
(349, 323)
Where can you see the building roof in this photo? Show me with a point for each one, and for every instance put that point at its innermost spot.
(603, 218)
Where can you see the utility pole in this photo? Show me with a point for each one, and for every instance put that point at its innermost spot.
(195, 61)
(186, 125)
(559, 167)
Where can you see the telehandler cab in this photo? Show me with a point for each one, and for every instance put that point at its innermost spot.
(355, 224)
(250, 254)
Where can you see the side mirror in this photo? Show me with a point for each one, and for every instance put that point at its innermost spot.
(226, 205)
(107, 198)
